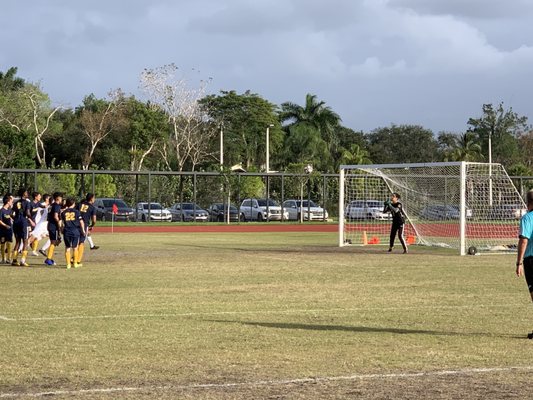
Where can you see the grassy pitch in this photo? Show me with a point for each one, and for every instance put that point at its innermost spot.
(257, 315)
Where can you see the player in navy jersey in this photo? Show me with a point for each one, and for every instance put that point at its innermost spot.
(6, 228)
(21, 223)
(54, 234)
(73, 227)
(88, 214)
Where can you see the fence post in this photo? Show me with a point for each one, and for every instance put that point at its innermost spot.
(282, 194)
(149, 195)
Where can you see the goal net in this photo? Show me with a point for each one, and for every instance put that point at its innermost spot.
(471, 207)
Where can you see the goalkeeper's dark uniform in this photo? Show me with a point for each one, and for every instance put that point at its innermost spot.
(398, 222)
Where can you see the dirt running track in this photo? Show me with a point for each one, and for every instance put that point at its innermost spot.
(241, 228)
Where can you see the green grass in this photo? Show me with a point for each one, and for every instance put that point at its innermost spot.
(151, 310)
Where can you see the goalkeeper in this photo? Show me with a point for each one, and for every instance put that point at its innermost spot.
(395, 207)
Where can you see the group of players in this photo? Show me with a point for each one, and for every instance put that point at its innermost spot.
(30, 221)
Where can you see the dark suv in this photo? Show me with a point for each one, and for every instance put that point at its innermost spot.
(104, 210)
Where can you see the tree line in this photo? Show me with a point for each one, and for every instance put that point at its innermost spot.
(177, 127)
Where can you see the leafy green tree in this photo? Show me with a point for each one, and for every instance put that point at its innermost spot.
(402, 144)
(147, 129)
(502, 127)
(244, 119)
(25, 112)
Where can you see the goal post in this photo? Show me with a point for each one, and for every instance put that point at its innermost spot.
(470, 207)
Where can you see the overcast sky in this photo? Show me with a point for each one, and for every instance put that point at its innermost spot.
(374, 62)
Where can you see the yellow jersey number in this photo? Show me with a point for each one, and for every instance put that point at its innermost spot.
(70, 216)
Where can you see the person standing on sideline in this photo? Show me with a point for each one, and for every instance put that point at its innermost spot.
(395, 207)
(524, 259)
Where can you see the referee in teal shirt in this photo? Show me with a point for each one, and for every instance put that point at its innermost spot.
(524, 260)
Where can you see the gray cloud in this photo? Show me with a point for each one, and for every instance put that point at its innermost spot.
(374, 61)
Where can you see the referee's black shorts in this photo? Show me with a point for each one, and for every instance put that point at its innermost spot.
(528, 272)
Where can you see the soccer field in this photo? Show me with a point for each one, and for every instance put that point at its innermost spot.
(264, 315)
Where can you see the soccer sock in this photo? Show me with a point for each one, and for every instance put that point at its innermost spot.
(79, 251)
(24, 255)
(67, 256)
(90, 240)
(50, 253)
(76, 255)
(8, 249)
(34, 245)
(46, 246)
(15, 254)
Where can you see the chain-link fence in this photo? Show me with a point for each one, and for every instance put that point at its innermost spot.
(168, 188)
(201, 188)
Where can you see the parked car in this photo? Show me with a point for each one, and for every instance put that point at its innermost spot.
(366, 209)
(261, 210)
(152, 212)
(442, 212)
(309, 210)
(104, 210)
(507, 211)
(218, 212)
(188, 212)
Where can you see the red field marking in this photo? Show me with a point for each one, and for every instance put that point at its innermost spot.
(241, 228)
(473, 230)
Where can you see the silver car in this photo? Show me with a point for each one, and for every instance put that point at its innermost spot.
(261, 210)
(366, 209)
(152, 212)
(307, 209)
(188, 212)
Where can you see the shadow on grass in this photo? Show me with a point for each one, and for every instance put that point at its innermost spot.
(364, 329)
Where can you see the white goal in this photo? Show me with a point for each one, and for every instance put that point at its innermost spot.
(471, 207)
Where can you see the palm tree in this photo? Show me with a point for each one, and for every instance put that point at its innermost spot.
(466, 149)
(315, 114)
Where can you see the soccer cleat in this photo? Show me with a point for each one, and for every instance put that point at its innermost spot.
(390, 250)
(43, 253)
(95, 247)
(68, 266)
(76, 265)
(24, 264)
(530, 335)
(15, 263)
(49, 262)
(34, 253)
(405, 251)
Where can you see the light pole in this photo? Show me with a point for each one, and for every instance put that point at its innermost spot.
(490, 168)
(221, 147)
(268, 148)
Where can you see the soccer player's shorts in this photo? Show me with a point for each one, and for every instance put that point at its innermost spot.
(528, 272)
(20, 229)
(71, 242)
(6, 235)
(53, 233)
(84, 234)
